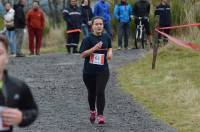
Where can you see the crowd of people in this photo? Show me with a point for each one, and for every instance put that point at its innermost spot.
(78, 18)
(16, 20)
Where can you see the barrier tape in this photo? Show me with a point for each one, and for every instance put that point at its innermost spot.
(183, 43)
(73, 31)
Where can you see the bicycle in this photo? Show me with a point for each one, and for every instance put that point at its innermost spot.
(140, 32)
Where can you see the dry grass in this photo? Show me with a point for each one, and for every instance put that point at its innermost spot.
(53, 42)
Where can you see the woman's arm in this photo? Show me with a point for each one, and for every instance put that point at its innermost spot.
(109, 54)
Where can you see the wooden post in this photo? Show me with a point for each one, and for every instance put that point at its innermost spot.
(155, 51)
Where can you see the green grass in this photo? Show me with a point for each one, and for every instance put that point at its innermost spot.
(172, 91)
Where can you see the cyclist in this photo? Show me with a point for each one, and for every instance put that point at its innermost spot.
(97, 51)
(142, 9)
(164, 14)
(122, 13)
(17, 105)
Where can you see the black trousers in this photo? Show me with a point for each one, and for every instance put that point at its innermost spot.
(167, 31)
(72, 41)
(96, 84)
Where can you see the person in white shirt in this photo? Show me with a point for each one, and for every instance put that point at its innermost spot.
(10, 28)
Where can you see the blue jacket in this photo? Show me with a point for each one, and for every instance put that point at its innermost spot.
(102, 9)
(122, 12)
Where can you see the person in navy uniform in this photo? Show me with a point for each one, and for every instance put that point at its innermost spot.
(163, 12)
(73, 18)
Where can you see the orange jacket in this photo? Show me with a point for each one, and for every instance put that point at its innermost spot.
(35, 19)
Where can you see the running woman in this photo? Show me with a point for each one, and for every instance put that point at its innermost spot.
(97, 51)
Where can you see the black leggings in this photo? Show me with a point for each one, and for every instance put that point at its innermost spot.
(96, 84)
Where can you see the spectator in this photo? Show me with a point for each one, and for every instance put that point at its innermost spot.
(142, 9)
(72, 17)
(17, 106)
(102, 8)
(10, 29)
(122, 13)
(35, 21)
(164, 15)
(19, 21)
(86, 16)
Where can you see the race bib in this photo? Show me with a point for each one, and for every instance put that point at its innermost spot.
(97, 59)
(3, 127)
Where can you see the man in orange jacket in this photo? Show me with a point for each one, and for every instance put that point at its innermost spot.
(35, 21)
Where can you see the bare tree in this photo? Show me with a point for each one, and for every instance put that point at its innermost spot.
(54, 13)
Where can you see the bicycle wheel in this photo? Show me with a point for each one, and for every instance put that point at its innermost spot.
(143, 45)
(136, 38)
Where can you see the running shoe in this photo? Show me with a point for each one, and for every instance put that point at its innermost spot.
(101, 119)
(92, 116)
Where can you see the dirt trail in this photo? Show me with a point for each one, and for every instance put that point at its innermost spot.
(56, 82)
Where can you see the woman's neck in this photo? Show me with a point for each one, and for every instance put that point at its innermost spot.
(97, 34)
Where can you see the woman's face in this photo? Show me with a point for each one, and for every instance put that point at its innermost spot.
(85, 2)
(3, 57)
(97, 26)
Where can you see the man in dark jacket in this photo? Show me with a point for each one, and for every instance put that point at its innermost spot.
(20, 23)
(72, 17)
(87, 16)
(17, 106)
(142, 9)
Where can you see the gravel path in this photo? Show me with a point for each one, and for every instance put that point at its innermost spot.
(56, 82)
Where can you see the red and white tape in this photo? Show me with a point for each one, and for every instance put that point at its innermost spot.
(180, 42)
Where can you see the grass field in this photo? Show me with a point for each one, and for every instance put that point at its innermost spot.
(172, 91)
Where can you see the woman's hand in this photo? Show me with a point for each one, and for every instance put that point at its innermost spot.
(89, 22)
(11, 116)
(97, 46)
(109, 54)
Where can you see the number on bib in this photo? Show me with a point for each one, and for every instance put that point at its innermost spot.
(97, 59)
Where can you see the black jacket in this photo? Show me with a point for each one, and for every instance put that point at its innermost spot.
(72, 16)
(141, 8)
(87, 14)
(19, 18)
(164, 13)
(18, 95)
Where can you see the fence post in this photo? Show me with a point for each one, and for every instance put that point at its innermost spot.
(155, 51)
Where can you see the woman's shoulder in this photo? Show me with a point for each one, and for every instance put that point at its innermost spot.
(106, 36)
(87, 38)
